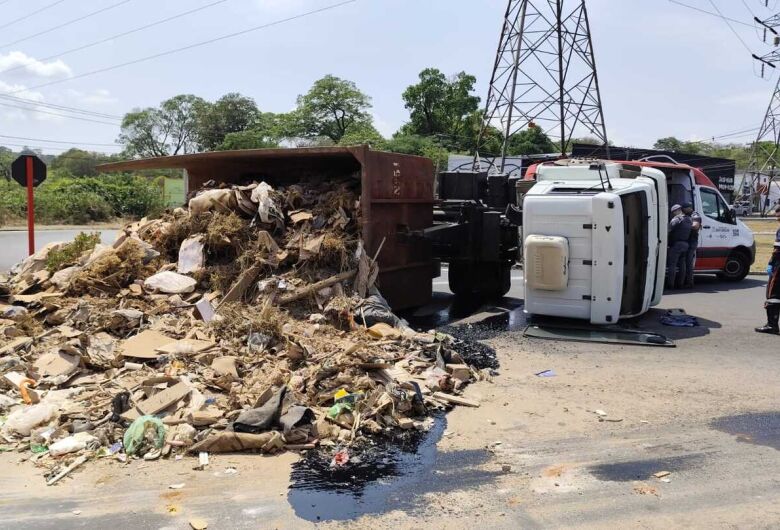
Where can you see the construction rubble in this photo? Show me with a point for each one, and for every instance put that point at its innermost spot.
(250, 321)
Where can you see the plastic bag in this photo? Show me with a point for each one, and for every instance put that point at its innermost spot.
(145, 433)
(71, 444)
(23, 420)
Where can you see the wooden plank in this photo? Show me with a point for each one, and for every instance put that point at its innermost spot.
(457, 400)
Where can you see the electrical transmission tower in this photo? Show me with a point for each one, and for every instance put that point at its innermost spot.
(544, 76)
(765, 155)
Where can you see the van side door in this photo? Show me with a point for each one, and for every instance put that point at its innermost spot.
(717, 230)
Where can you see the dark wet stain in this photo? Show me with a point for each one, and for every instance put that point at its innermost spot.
(759, 428)
(388, 476)
(643, 469)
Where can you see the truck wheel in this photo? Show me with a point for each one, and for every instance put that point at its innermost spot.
(736, 268)
(480, 279)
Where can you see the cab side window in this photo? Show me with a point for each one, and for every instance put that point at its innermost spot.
(714, 207)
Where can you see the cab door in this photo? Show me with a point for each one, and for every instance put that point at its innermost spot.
(717, 230)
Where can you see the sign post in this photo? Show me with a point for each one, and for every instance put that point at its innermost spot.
(29, 171)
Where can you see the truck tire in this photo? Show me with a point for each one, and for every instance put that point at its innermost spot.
(736, 268)
(489, 280)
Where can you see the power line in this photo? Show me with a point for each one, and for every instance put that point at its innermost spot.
(44, 8)
(67, 23)
(118, 35)
(55, 106)
(189, 47)
(711, 13)
(748, 8)
(41, 111)
(715, 7)
(57, 141)
(41, 148)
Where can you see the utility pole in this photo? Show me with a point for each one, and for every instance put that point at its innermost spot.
(544, 76)
(764, 155)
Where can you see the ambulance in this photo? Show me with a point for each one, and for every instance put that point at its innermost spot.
(727, 247)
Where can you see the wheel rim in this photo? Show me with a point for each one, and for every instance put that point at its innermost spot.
(733, 267)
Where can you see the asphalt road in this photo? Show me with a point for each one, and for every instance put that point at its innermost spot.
(535, 454)
(14, 242)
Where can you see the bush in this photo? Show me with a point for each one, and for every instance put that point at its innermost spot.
(78, 200)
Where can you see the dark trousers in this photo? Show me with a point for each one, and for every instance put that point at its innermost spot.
(690, 262)
(675, 264)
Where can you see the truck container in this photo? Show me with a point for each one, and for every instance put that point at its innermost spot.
(396, 198)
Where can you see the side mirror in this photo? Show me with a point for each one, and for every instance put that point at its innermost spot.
(732, 215)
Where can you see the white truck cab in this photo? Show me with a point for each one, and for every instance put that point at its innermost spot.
(594, 240)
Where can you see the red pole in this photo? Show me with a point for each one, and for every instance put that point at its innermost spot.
(30, 208)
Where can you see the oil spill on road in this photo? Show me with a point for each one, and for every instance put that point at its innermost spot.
(758, 428)
(643, 469)
(386, 477)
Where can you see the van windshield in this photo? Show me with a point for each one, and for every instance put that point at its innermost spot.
(714, 207)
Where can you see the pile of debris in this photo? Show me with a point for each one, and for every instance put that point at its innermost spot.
(248, 322)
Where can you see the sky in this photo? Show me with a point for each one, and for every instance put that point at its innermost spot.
(664, 70)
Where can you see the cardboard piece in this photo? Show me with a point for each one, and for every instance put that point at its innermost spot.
(225, 366)
(186, 346)
(144, 345)
(299, 216)
(381, 330)
(16, 344)
(163, 400)
(34, 298)
(56, 364)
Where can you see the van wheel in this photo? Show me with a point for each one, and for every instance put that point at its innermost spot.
(736, 268)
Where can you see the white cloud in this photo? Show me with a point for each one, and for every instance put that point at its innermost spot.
(745, 98)
(12, 111)
(32, 66)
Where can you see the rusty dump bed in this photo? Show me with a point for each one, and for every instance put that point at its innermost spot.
(396, 194)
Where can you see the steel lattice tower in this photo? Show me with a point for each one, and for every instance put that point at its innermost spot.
(764, 155)
(545, 75)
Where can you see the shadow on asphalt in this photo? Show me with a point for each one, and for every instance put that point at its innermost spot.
(711, 284)
(651, 321)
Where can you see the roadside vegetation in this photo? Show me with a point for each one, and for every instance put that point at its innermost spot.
(445, 117)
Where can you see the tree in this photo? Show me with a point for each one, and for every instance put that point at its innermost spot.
(531, 141)
(330, 108)
(442, 107)
(167, 130)
(413, 144)
(78, 162)
(267, 132)
(669, 143)
(363, 133)
(231, 113)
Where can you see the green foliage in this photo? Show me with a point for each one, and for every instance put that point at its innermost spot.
(167, 130)
(412, 144)
(232, 113)
(79, 163)
(329, 109)
(69, 253)
(443, 108)
(531, 141)
(80, 200)
(251, 139)
(363, 133)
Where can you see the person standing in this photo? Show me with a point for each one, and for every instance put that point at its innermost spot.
(693, 244)
(679, 233)
(772, 304)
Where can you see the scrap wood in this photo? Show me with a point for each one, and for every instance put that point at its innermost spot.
(313, 288)
(241, 286)
(449, 398)
(65, 472)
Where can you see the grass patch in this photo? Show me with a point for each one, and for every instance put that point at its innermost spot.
(69, 253)
(173, 190)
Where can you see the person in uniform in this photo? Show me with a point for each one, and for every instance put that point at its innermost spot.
(693, 244)
(679, 233)
(772, 304)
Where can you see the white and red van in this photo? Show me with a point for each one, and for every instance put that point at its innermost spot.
(726, 245)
